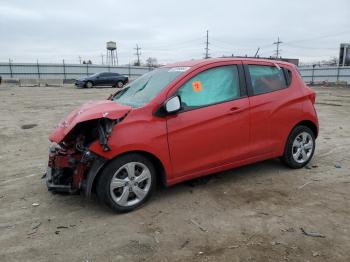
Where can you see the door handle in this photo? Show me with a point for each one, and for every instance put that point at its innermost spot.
(235, 110)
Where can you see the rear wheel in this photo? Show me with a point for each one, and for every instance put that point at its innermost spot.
(127, 182)
(119, 84)
(299, 148)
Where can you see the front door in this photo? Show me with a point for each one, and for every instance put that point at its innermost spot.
(212, 129)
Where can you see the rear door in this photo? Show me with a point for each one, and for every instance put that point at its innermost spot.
(109, 79)
(212, 129)
(273, 105)
(102, 79)
(114, 77)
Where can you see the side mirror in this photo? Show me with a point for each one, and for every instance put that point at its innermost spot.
(173, 105)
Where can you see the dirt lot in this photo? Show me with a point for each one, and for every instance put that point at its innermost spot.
(253, 213)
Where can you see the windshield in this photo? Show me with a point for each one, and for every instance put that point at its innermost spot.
(96, 74)
(146, 87)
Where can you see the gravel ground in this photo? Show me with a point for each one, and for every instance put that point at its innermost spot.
(253, 213)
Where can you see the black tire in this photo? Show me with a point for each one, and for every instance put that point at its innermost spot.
(89, 84)
(119, 84)
(287, 157)
(104, 182)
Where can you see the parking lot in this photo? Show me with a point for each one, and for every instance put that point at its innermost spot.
(253, 213)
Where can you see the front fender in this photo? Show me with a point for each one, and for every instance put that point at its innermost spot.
(135, 134)
(94, 170)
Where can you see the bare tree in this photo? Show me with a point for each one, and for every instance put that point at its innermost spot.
(152, 62)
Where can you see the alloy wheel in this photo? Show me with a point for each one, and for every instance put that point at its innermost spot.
(303, 145)
(130, 184)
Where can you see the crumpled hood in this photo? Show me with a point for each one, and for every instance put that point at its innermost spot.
(88, 111)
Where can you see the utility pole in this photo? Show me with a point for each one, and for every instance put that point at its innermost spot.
(278, 47)
(138, 53)
(207, 46)
(102, 58)
(79, 57)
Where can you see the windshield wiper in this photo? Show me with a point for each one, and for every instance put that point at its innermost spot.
(120, 92)
(144, 86)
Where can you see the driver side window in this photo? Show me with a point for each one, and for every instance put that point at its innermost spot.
(215, 85)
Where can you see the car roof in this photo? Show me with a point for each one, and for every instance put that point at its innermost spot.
(202, 62)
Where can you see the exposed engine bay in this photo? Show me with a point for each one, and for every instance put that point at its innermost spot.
(70, 161)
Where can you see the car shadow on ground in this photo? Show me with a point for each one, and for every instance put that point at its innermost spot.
(240, 175)
(98, 87)
(237, 175)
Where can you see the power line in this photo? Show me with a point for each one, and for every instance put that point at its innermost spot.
(230, 44)
(318, 37)
(227, 45)
(207, 46)
(311, 47)
(173, 45)
(278, 46)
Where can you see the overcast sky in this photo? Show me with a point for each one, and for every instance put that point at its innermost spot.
(170, 30)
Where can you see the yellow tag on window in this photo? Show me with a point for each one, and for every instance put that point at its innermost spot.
(197, 86)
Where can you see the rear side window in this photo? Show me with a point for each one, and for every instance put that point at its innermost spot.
(288, 75)
(266, 79)
(212, 86)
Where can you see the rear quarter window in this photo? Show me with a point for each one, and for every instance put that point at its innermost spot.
(288, 76)
(266, 79)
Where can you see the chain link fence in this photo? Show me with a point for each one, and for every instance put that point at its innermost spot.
(64, 71)
(329, 74)
(17, 71)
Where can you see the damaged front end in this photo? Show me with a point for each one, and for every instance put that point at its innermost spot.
(72, 167)
(66, 169)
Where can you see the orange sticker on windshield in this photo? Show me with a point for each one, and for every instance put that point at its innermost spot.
(197, 86)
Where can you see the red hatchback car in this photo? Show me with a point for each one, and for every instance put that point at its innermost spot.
(180, 122)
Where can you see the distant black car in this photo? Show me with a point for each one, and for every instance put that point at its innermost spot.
(102, 79)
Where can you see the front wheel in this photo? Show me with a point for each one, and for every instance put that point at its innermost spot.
(89, 84)
(127, 182)
(299, 148)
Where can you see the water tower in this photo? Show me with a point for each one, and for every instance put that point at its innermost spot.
(112, 56)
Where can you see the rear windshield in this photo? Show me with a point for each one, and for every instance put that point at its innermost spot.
(141, 91)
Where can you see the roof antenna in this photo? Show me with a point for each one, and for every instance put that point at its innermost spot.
(256, 53)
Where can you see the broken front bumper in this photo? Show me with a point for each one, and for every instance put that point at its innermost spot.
(51, 186)
(70, 171)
